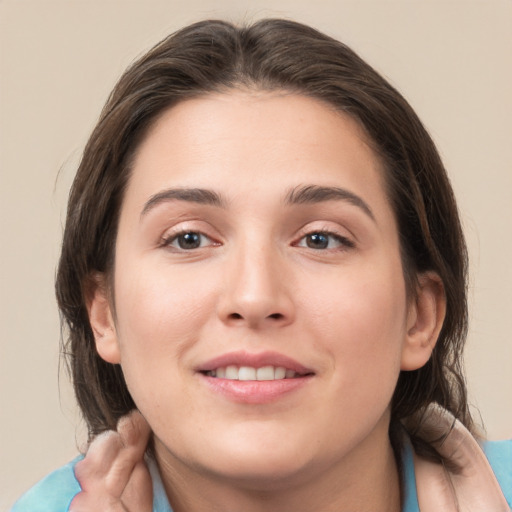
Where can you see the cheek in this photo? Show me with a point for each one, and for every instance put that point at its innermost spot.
(159, 317)
(159, 302)
(360, 318)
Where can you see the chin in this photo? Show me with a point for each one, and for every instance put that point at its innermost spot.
(262, 473)
(262, 462)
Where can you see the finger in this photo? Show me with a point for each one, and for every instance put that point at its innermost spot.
(112, 456)
(433, 486)
(474, 484)
(138, 494)
(134, 430)
(134, 435)
(104, 448)
(96, 464)
(136, 497)
(91, 502)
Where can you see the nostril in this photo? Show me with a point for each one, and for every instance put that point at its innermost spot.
(274, 316)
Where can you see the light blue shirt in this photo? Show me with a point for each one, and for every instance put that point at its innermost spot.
(55, 492)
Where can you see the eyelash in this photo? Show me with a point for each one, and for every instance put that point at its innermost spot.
(167, 241)
(342, 242)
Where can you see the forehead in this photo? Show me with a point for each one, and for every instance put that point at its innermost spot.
(239, 121)
(244, 141)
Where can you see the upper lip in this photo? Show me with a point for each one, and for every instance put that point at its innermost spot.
(254, 360)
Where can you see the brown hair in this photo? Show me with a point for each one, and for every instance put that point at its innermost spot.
(268, 55)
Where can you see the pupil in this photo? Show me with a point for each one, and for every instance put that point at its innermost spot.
(189, 241)
(317, 241)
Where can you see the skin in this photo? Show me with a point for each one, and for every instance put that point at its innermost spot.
(256, 283)
(113, 475)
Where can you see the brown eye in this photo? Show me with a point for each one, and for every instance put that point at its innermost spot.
(321, 240)
(317, 241)
(188, 240)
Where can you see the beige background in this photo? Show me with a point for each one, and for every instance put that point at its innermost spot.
(58, 61)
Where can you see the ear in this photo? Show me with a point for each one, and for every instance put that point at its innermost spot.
(424, 321)
(102, 319)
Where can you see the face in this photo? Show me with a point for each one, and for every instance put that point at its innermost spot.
(261, 317)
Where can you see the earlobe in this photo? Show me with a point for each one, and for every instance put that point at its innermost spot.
(102, 320)
(425, 321)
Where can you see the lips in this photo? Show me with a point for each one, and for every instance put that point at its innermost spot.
(244, 365)
(254, 378)
(244, 373)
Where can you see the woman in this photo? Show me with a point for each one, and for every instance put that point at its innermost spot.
(263, 256)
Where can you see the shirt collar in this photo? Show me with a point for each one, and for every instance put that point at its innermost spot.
(161, 503)
(409, 479)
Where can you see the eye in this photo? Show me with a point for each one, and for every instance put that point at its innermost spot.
(188, 240)
(321, 240)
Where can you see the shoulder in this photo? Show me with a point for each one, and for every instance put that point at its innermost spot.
(54, 492)
(499, 454)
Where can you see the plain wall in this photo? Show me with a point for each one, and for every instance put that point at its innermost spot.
(58, 60)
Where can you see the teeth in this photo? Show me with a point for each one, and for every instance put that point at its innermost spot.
(265, 373)
(231, 372)
(249, 373)
(281, 373)
(246, 373)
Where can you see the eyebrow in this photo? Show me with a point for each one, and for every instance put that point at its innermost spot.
(305, 194)
(311, 194)
(191, 195)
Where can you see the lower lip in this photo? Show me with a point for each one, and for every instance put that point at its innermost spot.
(255, 391)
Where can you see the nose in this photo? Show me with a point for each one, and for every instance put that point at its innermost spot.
(256, 290)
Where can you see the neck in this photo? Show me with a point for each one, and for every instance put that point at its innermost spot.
(366, 480)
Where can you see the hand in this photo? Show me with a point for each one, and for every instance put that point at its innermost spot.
(113, 474)
(473, 487)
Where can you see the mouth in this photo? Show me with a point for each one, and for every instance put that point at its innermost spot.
(262, 366)
(249, 378)
(264, 373)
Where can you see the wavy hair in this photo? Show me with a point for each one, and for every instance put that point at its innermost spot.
(273, 54)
